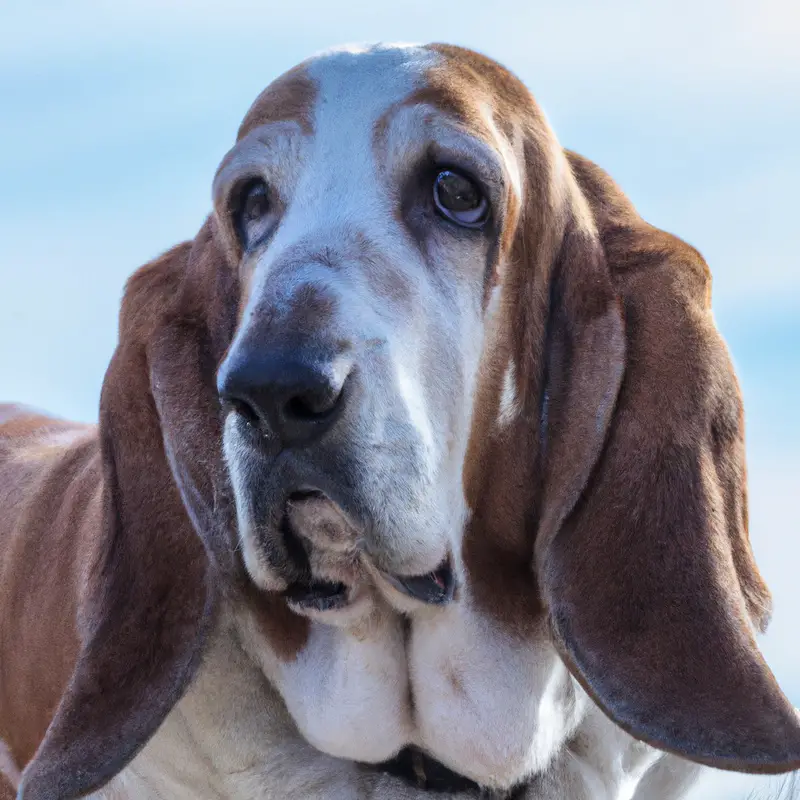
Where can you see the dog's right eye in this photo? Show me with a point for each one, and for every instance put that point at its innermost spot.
(252, 212)
(459, 198)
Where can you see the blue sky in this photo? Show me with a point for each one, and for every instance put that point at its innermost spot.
(114, 117)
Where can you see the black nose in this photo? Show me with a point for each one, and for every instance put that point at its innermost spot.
(293, 398)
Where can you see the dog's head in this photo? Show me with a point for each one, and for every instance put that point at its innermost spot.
(369, 209)
(414, 324)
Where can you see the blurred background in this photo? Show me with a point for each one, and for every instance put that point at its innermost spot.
(114, 116)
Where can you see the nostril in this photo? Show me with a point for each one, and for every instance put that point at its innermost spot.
(290, 400)
(311, 405)
(244, 410)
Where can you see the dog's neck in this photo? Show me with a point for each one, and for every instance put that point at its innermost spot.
(231, 738)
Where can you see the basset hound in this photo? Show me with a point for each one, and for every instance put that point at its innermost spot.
(419, 472)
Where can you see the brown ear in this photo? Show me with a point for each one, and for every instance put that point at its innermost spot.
(642, 550)
(150, 595)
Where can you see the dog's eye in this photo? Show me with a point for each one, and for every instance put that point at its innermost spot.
(460, 199)
(255, 202)
(252, 211)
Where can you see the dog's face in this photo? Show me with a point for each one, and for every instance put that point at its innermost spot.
(368, 227)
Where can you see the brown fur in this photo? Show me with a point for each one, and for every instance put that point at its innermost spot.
(7, 790)
(614, 502)
(288, 98)
(43, 482)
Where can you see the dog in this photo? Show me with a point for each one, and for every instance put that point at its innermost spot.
(420, 470)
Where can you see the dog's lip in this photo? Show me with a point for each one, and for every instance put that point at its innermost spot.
(306, 497)
(306, 493)
(437, 587)
(307, 593)
(315, 595)
(328, 493)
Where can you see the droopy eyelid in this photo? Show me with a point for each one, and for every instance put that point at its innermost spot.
(259, 154)
(473, 160)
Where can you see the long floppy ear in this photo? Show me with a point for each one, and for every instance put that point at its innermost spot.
(642, 549)
(151, 593)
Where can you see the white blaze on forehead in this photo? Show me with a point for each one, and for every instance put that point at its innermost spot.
(355, 89)
(357, 86)
(337, 191)
(355, 48)
(333, 189)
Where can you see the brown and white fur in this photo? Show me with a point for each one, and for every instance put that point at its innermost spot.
(543, 404)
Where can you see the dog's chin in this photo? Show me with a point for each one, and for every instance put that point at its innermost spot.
(316, 556)
(341, 573)
(323, 540)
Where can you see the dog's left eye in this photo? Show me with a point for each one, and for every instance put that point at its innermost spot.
(252, 211)
(459, 198)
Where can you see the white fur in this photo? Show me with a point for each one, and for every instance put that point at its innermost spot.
(230, 738)
(332, 195)
(490, 705)
(509, 405)
(255, 562)
(347, 690)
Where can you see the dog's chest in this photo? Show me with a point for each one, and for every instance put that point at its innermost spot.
(232, 737)
(492, 707)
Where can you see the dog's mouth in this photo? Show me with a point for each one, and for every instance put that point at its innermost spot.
(315, 595)
(434, 588)
(323, 545)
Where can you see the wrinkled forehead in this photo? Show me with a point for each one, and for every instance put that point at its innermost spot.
(347, 79)
(359, 82)
(372, 89)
